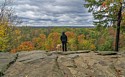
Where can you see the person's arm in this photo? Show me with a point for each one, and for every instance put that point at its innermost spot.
(66, 39)
(61, 38)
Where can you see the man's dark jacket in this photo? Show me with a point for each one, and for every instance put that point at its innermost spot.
(63, 38)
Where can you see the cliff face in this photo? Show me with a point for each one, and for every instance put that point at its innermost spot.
(66, 64)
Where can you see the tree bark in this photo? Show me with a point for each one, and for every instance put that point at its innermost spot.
(118, 30)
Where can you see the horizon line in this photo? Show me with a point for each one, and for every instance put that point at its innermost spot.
(58, 26)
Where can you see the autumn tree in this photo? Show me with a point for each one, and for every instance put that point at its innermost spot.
(7, 20)
(72, 40)
(52, 40)
(39, 42)
(106, 13)
(81, 41)
(25, 46)
(4, 28)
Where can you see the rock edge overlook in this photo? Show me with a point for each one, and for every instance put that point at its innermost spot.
(64, 64)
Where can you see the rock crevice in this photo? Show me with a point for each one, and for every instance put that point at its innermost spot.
(6, 60)
(66, 64)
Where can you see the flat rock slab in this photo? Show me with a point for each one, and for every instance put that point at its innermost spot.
(5, 60)
(66, 64)
(68, 52)
(26, 57)
(41, 68)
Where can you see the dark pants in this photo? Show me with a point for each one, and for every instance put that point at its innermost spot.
(64, 46)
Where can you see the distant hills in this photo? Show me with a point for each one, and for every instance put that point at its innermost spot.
(59, 26)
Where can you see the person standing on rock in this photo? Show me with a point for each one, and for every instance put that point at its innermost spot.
(63, 39)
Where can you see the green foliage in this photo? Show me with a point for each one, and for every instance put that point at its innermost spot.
(106, 46)
(73, 44)
(105, 42)
(104, 11)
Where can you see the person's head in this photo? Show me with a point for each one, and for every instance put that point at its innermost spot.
(63, 33)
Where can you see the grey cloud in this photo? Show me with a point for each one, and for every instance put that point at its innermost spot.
(52, 12)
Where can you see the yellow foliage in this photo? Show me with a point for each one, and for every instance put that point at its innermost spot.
(17, 32)
(92, 47)
(39, 42)
(52, 41)
(72, 44)
(4, 31)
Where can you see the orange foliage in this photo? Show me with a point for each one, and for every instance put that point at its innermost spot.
(43, 37)
(54, 36)
(70, 34)
(36, 40)
(25, 46)
(81, 37)
(39, 42)
(13, 51)
(104, 4)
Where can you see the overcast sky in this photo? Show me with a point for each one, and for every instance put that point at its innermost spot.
(52, 12)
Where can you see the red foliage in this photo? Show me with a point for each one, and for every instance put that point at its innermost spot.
(104, 4)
